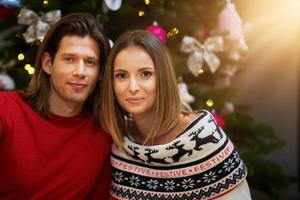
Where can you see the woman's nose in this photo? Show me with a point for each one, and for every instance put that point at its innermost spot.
(133, 85)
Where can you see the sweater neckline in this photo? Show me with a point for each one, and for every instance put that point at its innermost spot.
(130, 139)
(68, 120)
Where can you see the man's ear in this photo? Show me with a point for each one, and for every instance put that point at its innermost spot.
(46, 63)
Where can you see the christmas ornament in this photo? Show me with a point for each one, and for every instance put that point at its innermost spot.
(229, 22)
(11, 3)
(113, 5)
(38, 26)
(6, 82)
(158, 31)
(219, 120)
(202, 52)
(185, 97)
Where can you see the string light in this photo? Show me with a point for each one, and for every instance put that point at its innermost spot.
(45, 2)
(18, 34)
(147, 2)
(29, 69)
(200, 71)
(209, 102)
(141, 13)
(174, 31)
(21, 56)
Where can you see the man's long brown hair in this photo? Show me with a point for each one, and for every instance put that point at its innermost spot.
(79, 24)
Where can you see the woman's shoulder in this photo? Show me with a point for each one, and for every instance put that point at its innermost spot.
(192, 118)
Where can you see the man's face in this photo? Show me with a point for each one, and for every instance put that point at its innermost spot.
(73, 72)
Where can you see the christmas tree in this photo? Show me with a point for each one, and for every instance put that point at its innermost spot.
(207, 46)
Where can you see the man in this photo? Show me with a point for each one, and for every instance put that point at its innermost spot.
(51, 145)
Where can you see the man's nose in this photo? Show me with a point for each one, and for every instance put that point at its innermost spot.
(80, 69)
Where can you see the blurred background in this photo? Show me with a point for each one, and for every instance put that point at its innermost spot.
(240, 59)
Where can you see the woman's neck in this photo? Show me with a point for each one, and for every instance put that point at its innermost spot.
(143, 125)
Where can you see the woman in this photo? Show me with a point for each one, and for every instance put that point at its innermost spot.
(160, 151)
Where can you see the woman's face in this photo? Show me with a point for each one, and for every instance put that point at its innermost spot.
(135, 81)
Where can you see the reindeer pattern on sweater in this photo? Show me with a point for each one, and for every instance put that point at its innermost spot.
(201, 163)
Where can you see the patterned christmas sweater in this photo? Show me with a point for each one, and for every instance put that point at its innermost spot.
(201, 163)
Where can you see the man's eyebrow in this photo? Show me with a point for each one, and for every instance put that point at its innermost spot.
(92, 57)
(74, 54)
(68, 54)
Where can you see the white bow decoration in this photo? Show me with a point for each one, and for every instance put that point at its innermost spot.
(202, 52)
(38, 26)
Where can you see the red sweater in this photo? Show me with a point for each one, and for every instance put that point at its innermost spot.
(60, 158)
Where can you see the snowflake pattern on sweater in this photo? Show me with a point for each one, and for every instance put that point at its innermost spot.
(201, 163)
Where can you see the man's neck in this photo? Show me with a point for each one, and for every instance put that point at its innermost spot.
(65, 109)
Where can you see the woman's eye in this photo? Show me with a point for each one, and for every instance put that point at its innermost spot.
(147, 74)
(120, 75)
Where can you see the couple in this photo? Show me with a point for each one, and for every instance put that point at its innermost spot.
(52, 145)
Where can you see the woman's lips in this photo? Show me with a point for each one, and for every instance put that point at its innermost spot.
(134, 100)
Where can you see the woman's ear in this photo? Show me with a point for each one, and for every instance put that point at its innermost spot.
(46, 63)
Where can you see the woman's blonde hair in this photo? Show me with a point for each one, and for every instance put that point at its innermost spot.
(167, 104)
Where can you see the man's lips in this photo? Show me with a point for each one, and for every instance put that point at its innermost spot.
(77, 85)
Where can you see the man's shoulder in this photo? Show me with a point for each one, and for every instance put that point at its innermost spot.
(7, 96)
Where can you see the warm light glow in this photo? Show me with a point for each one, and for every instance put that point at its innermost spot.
(200, 71)
(21, 56)
(209, 103)
(141, 13)
(173, 32)
(147, 2)
(274, 25)
(45, 2)
(31, 71)
(18, 34)
(27, 66)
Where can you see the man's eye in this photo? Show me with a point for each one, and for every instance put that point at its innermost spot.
(90, 62)
(69, 59)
